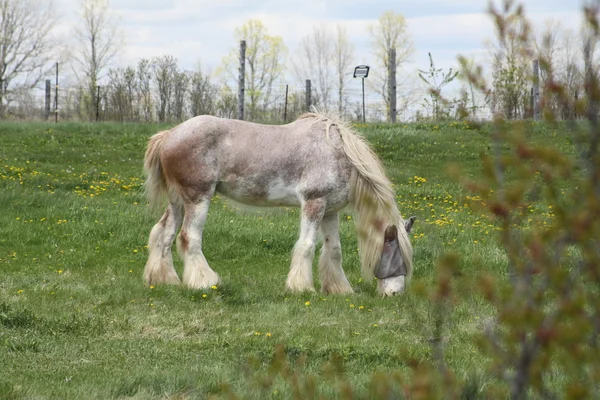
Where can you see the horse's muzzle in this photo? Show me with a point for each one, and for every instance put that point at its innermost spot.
(391, 286)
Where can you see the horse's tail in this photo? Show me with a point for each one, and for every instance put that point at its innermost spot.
(156, 184)
(372, 197)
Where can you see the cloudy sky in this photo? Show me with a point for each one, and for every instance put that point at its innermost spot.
(203, 31)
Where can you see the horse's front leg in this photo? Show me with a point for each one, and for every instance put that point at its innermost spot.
(300, 278)
(196, 272)
(333, 279)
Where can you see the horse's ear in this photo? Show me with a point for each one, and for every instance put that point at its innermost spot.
(408, 224)
(391, 233)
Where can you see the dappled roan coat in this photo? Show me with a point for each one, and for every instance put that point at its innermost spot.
(316, 163)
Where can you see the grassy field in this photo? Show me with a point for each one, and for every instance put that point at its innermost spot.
(76, 320)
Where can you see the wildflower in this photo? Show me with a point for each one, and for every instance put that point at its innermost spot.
(307, 303)
(19, 291)
(151, 287)
(268, 334)
(213, 287)
(361, 307)
(204, 295)
(351, 305)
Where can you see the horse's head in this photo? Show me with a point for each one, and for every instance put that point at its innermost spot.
(391, 271)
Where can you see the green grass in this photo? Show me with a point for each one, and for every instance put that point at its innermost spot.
(76, 320)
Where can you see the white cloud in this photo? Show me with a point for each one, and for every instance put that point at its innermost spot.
(194, 30)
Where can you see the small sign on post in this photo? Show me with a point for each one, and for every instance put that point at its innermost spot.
(362, 71)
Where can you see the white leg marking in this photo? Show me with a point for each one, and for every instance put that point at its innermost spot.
(196, 272)
(333, 279)
(159, 267)
(300, 278)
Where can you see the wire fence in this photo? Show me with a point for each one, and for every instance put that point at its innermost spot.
(282, 103)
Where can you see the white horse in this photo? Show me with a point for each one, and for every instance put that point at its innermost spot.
(316, 163)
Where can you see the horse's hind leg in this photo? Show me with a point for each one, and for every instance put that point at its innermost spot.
(300, 277)
(333, 279)
(196, 273)
(159, 267)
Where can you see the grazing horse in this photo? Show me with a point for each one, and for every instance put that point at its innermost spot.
(316, 163)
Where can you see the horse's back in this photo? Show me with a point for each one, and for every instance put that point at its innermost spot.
(258, 164)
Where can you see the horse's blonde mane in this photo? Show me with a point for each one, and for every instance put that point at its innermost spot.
(371, 196)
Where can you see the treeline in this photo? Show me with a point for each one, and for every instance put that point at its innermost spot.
(159, 90)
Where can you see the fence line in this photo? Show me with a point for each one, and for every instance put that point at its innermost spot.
(76, 104)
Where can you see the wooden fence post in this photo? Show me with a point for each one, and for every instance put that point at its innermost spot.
(241, 91)
(536, 90)
(48, 99)
(56, 97)
(308, 96)
(286, 104)
(392, 86)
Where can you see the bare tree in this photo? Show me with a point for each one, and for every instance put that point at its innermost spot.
(390, 32)
(121, 94)
(25, 45)
(343, 52)
(163, 71)
(227, 103)
(202, 93)
(571, 74)
(144, 79)
(98, 43)
(314, 60)
(116, 95)
(511, 61)
(547, 48)
(436, 79)
(181, 80)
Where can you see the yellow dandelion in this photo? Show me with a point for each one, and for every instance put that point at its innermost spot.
(204, 295)
(307, 303)
(213, 287)
(151, 287)
(19, 291)
(268, 334)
